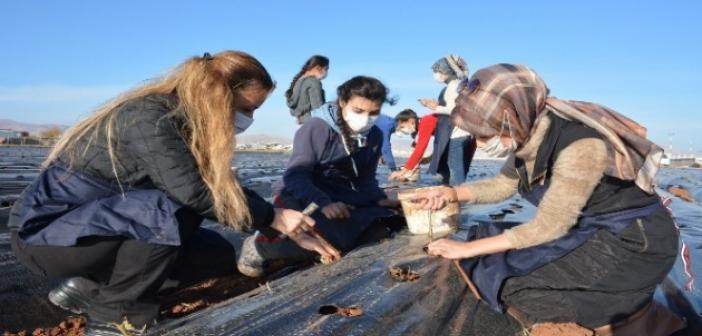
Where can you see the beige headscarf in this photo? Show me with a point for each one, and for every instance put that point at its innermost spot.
(512, 98)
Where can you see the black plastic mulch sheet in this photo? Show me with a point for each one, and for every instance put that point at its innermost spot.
(438, 303)
(23, 302)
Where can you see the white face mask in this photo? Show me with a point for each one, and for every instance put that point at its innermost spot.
(406, 130)
(495, 148)
(359, 122)
(242, 122)
(439, 77)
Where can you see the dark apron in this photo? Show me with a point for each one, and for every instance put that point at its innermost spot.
(489, 272)
(61, 206)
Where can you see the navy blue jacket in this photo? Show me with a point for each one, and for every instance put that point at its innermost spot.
(321, 171)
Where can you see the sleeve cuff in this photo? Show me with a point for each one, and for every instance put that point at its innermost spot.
(265, 226)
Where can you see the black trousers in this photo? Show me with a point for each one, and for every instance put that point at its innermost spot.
(127, 273)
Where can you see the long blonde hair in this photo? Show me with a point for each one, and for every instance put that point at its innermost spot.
(205, 89)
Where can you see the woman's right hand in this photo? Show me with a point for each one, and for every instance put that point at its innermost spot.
(435, 198)
(337, 210)
(429, 103)
(312, 243)
(288, 221)
(398, 175)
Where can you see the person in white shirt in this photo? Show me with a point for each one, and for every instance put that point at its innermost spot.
(451, 70)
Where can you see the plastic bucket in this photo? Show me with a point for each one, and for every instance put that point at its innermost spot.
(418, 221)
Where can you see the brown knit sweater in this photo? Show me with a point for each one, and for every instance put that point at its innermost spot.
(576, 173)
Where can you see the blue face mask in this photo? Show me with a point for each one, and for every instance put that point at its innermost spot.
(242, 122)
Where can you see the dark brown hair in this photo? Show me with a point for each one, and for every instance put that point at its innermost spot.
(408, 114)
(361, 86)
(314, 61)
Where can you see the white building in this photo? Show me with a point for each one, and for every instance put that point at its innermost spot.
(6, 134)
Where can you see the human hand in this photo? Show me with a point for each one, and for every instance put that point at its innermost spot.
(313, 243)
(398, 174)
(433, 198)
(288, 221)
(412, 175)
(450, 249)
(429, 103)
(337, 210)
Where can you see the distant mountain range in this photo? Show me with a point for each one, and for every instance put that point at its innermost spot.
(34, 129)
(254, 139)
(244, 139)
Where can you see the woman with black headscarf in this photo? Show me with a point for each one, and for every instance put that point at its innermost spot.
(600, 242)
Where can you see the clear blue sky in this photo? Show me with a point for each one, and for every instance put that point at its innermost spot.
(61, 59)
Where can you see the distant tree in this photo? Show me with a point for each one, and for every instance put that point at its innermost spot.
(51, 133)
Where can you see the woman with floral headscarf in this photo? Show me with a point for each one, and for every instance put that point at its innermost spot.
(600, 241)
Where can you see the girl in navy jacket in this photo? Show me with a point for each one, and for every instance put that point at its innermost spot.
(333, 164)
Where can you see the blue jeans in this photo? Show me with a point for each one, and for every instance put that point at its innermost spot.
(460, 156)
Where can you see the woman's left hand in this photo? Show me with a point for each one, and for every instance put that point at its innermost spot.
(451, 249)
(429, 103)
(389, 203)
(397, 175)
(312, 243)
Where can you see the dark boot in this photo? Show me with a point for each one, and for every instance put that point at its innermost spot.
(250, 261)
(258, 251)
(74, 294)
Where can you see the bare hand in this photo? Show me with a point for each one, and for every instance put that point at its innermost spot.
(404, 175)
(434, 199)
(412, 175)
(429, 103)
(289, 221)
(397, 175)
(337, 210)
(450, 249)
(311, 243)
